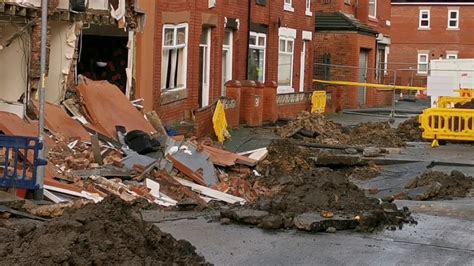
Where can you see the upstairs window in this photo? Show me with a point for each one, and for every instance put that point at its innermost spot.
(288, 5)
(453, 19)
(373, 8)
(308, 8)
(424, 19)
(212, 3)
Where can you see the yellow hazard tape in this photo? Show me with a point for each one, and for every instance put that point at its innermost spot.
(369, 85)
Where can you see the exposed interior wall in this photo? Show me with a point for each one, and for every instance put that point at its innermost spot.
(145, 54)
(63, 41)
(13, 69)
(98, 4)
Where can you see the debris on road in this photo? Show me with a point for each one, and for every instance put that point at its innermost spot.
(434, 185)
(378, 134)
(110, 232)
(301, 195)
(410, 130)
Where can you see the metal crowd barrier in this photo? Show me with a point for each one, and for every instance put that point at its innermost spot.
(19, 162)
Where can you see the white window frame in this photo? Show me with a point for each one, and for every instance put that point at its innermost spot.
(423, 63)
(256, 46)
(212, 3)
(176, 46)
(451, 19)
(373, 2)
(422, 19)
(288, 5)
(308, 11)
(229, 59)
(452, 54)
(286, 51)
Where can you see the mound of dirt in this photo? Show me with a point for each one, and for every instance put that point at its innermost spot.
(328, 131)
(365, 134)
(438, 185)
(312, 199)
(378, 134)
(108, 233)
(410, 130)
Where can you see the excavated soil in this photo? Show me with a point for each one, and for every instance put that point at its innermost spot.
(378, 134)
(410, 130)
(442, 186)
(108, 233)
(294, 187)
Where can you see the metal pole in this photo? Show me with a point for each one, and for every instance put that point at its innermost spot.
(44, 31)
(392, 113)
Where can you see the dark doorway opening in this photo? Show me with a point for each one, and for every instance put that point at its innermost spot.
(104, 58)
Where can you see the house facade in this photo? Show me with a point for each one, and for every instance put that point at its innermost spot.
(427, 30)
(352, 43)
(201, 45)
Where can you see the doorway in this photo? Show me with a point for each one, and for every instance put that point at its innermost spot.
(104, 55)
(205, 67)
(363, 64)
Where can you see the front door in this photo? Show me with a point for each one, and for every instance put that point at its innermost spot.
(205, 67)
(363, 64)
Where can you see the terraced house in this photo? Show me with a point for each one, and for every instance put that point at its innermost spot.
(352, 43)
(427, 30)
(201, 45)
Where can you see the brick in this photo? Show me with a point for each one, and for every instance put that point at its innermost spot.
(407, 39)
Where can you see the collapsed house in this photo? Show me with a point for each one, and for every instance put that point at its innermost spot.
(76, 31)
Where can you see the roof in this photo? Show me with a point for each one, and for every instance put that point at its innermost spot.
(340, 21)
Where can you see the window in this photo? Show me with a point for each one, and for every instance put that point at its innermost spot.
(423, 63)
(288, 5)
(453, 19)
(308, 8)
(451, 55)
(285, 62)
(227, 59)
(424, 19)
(173, 63)
(256, 60)
(212, 3)
(373, 8)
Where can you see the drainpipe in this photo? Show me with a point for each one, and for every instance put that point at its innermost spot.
(44, 31)
(249, 16)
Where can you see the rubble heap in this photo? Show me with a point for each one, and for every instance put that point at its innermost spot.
(438, 185)
(312, 199)
(410, 130)
(327, 132)
(108, 233)
(378, 134)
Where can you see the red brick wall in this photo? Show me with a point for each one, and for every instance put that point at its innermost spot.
(225, 8)
(296, 20)
(291, 111)
(407, 40)
(271, 15)
(203, 124)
